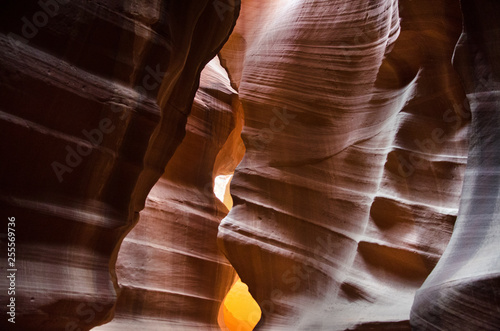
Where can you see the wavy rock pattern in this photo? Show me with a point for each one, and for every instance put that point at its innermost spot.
(356, 128)
(94, 97)
(463, 291)
(356, 136)
(170, 271)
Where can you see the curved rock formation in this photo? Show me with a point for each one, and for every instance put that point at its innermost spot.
(463, 291)
(356, 149)
(241, 312)
(356, 129)
(170, 272)
(94, 97)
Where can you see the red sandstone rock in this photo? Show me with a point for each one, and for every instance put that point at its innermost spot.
(356, 133)
(463, 291)
(170, 271)
(350, 185)
(93, 102)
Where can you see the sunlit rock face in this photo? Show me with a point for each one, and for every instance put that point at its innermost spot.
(94, 97)
(241, 312)
(463, 291)
(356, 144)
(356, 119)
(170, 271)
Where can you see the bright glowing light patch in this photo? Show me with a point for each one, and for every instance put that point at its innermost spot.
(220, 186)
(241, 312)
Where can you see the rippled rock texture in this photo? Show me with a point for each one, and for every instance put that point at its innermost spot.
(94, 98)
(463, 291)
(360, 153)
(170, 271)
(356, 136)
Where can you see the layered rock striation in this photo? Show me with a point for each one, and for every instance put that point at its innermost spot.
(356, 137)
(368, 127)
(463, 291)
(169, 269)
(94, 98)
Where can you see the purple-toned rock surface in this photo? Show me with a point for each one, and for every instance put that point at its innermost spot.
(463, 291)
(170, 272)
(356, 145)
(94, 97)
(368, 126)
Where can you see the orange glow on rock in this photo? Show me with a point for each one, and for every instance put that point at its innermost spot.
(241, 312)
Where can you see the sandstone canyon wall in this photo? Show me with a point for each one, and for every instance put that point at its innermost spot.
(94, 97)
(170, 271)
(463, 291)
(356, 144)
(360, 152)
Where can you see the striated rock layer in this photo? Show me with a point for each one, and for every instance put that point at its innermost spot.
(356, 132)
(463, 291)
(356, 137)
(94, 97)
(170, 271)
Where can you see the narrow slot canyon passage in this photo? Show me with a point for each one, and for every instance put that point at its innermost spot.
(169, 267)
(227, 165)
(174, 243)
(239, 310)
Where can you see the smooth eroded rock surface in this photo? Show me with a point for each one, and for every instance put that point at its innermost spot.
(170, 271)
(94, 97)
(368, 126)
(463, 291)
(356, 136)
